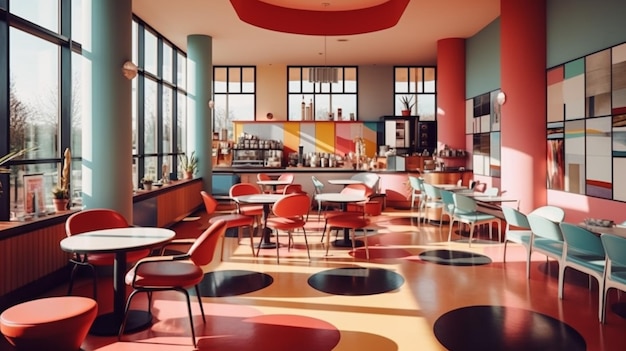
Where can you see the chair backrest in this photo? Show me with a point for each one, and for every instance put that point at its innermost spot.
(369, 179)
(553, 213)
(615, 249)
(293, 189)
(319, 186)
(545, 228)
(357, 189)
(292, 205)
(203, 248)
(431, 191)
(464, 203)
(581, 239)
(286, 176)
(210, 204)
(480, 187)
(94, 219)
(263, 176)
(243, 189)
(414, 182)
(492, 191)
(514, 217)
(447, 197)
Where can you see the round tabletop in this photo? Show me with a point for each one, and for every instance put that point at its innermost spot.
(116, 239)
(339, 197)
(344, 181)
(258, 198)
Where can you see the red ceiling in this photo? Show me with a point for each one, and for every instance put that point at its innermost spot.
(311, 22)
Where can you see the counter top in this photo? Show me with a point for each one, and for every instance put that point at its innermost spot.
(318, 170)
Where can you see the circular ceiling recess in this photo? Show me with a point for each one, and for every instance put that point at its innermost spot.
(309, 18)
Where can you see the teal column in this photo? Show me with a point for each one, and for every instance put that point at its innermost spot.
(199, 93)
(107, 132)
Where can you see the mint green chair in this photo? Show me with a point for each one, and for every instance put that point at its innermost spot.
(615, 270)
(418, 193)
(584, 252)
(465, 211)
(517, 229)
(546, 239)
(432, 200)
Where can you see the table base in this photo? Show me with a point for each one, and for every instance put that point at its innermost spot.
(109, 324)
(267, 245)
(347, 243)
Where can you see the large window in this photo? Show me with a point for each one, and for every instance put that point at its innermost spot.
(234, 90)
(322, 93)
(419, 85)
(49, 95)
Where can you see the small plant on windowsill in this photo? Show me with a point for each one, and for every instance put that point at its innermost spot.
(188, 164)
(147, 182)
(60, 198)
(407, 102)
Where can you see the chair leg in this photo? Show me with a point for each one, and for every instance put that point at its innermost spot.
(252, 231)
(193, 332)
(306, 243)
(327, 234)
(504, 254)
(200, 302)
(471, 233)
(278, 248)
(123, 325)
(72, 274)
(367, 249)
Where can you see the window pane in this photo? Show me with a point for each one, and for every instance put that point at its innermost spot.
(167, 62)
(150, 117)
(181, 67)
(50, 173)
(34, 94)
(41, 12)
(234, 80)
(181, 115)
(81, 23)
(402, 80)
(167, 119)
(135, 122)
(241, 107)
(426, 108)
(429, 80)
(219, 80)
(150, 57)
(248, 80)
(347, 104)
(135, 35)
(294, 80)
(81, 100)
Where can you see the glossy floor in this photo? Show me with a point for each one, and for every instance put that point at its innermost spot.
(403, 298)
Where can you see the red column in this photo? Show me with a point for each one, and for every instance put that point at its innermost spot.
(523, 80)
(451, 93)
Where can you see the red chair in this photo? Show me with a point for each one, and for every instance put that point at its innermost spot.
(177, 272)
(361, 190)
(264, 176)
(233, 220)
(90, 220)
(286, 177)
(353, 221)
(290, 213)
(248, 210)
(293, 189)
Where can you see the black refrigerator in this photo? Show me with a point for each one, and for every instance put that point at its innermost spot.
(407, 135)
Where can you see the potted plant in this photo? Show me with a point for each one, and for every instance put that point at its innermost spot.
(408, 103)
(61, 198)
(188, 164)
(147, 182)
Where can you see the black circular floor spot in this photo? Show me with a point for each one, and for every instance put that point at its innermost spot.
(504, 328)
(233, 282)
(454, 258)
(356, 281)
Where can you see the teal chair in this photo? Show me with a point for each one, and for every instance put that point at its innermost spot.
(546, 238)
(615, 270)
(447, 197)
(517, 229)
(465, 211)
(432, 200)
(418, 193)
(584, 252)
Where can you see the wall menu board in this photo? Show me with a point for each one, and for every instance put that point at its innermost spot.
(586, 124)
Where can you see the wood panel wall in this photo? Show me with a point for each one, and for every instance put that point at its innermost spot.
(31, 256)
(173, 206)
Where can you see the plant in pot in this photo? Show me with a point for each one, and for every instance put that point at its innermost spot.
(407, 102)
(147, 182)
(61, 197)
(189, 165)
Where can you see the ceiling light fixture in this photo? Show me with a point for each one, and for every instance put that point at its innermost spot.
(324, 74)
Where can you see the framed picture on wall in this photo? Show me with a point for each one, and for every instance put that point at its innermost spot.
(34, 194)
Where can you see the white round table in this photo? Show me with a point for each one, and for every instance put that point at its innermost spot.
(118, 241)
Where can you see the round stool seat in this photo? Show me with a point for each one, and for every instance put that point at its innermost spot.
(52, 323)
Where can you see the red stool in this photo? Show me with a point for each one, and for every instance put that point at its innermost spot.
(52, 323)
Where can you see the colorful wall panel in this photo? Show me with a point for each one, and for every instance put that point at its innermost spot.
(587, 152)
